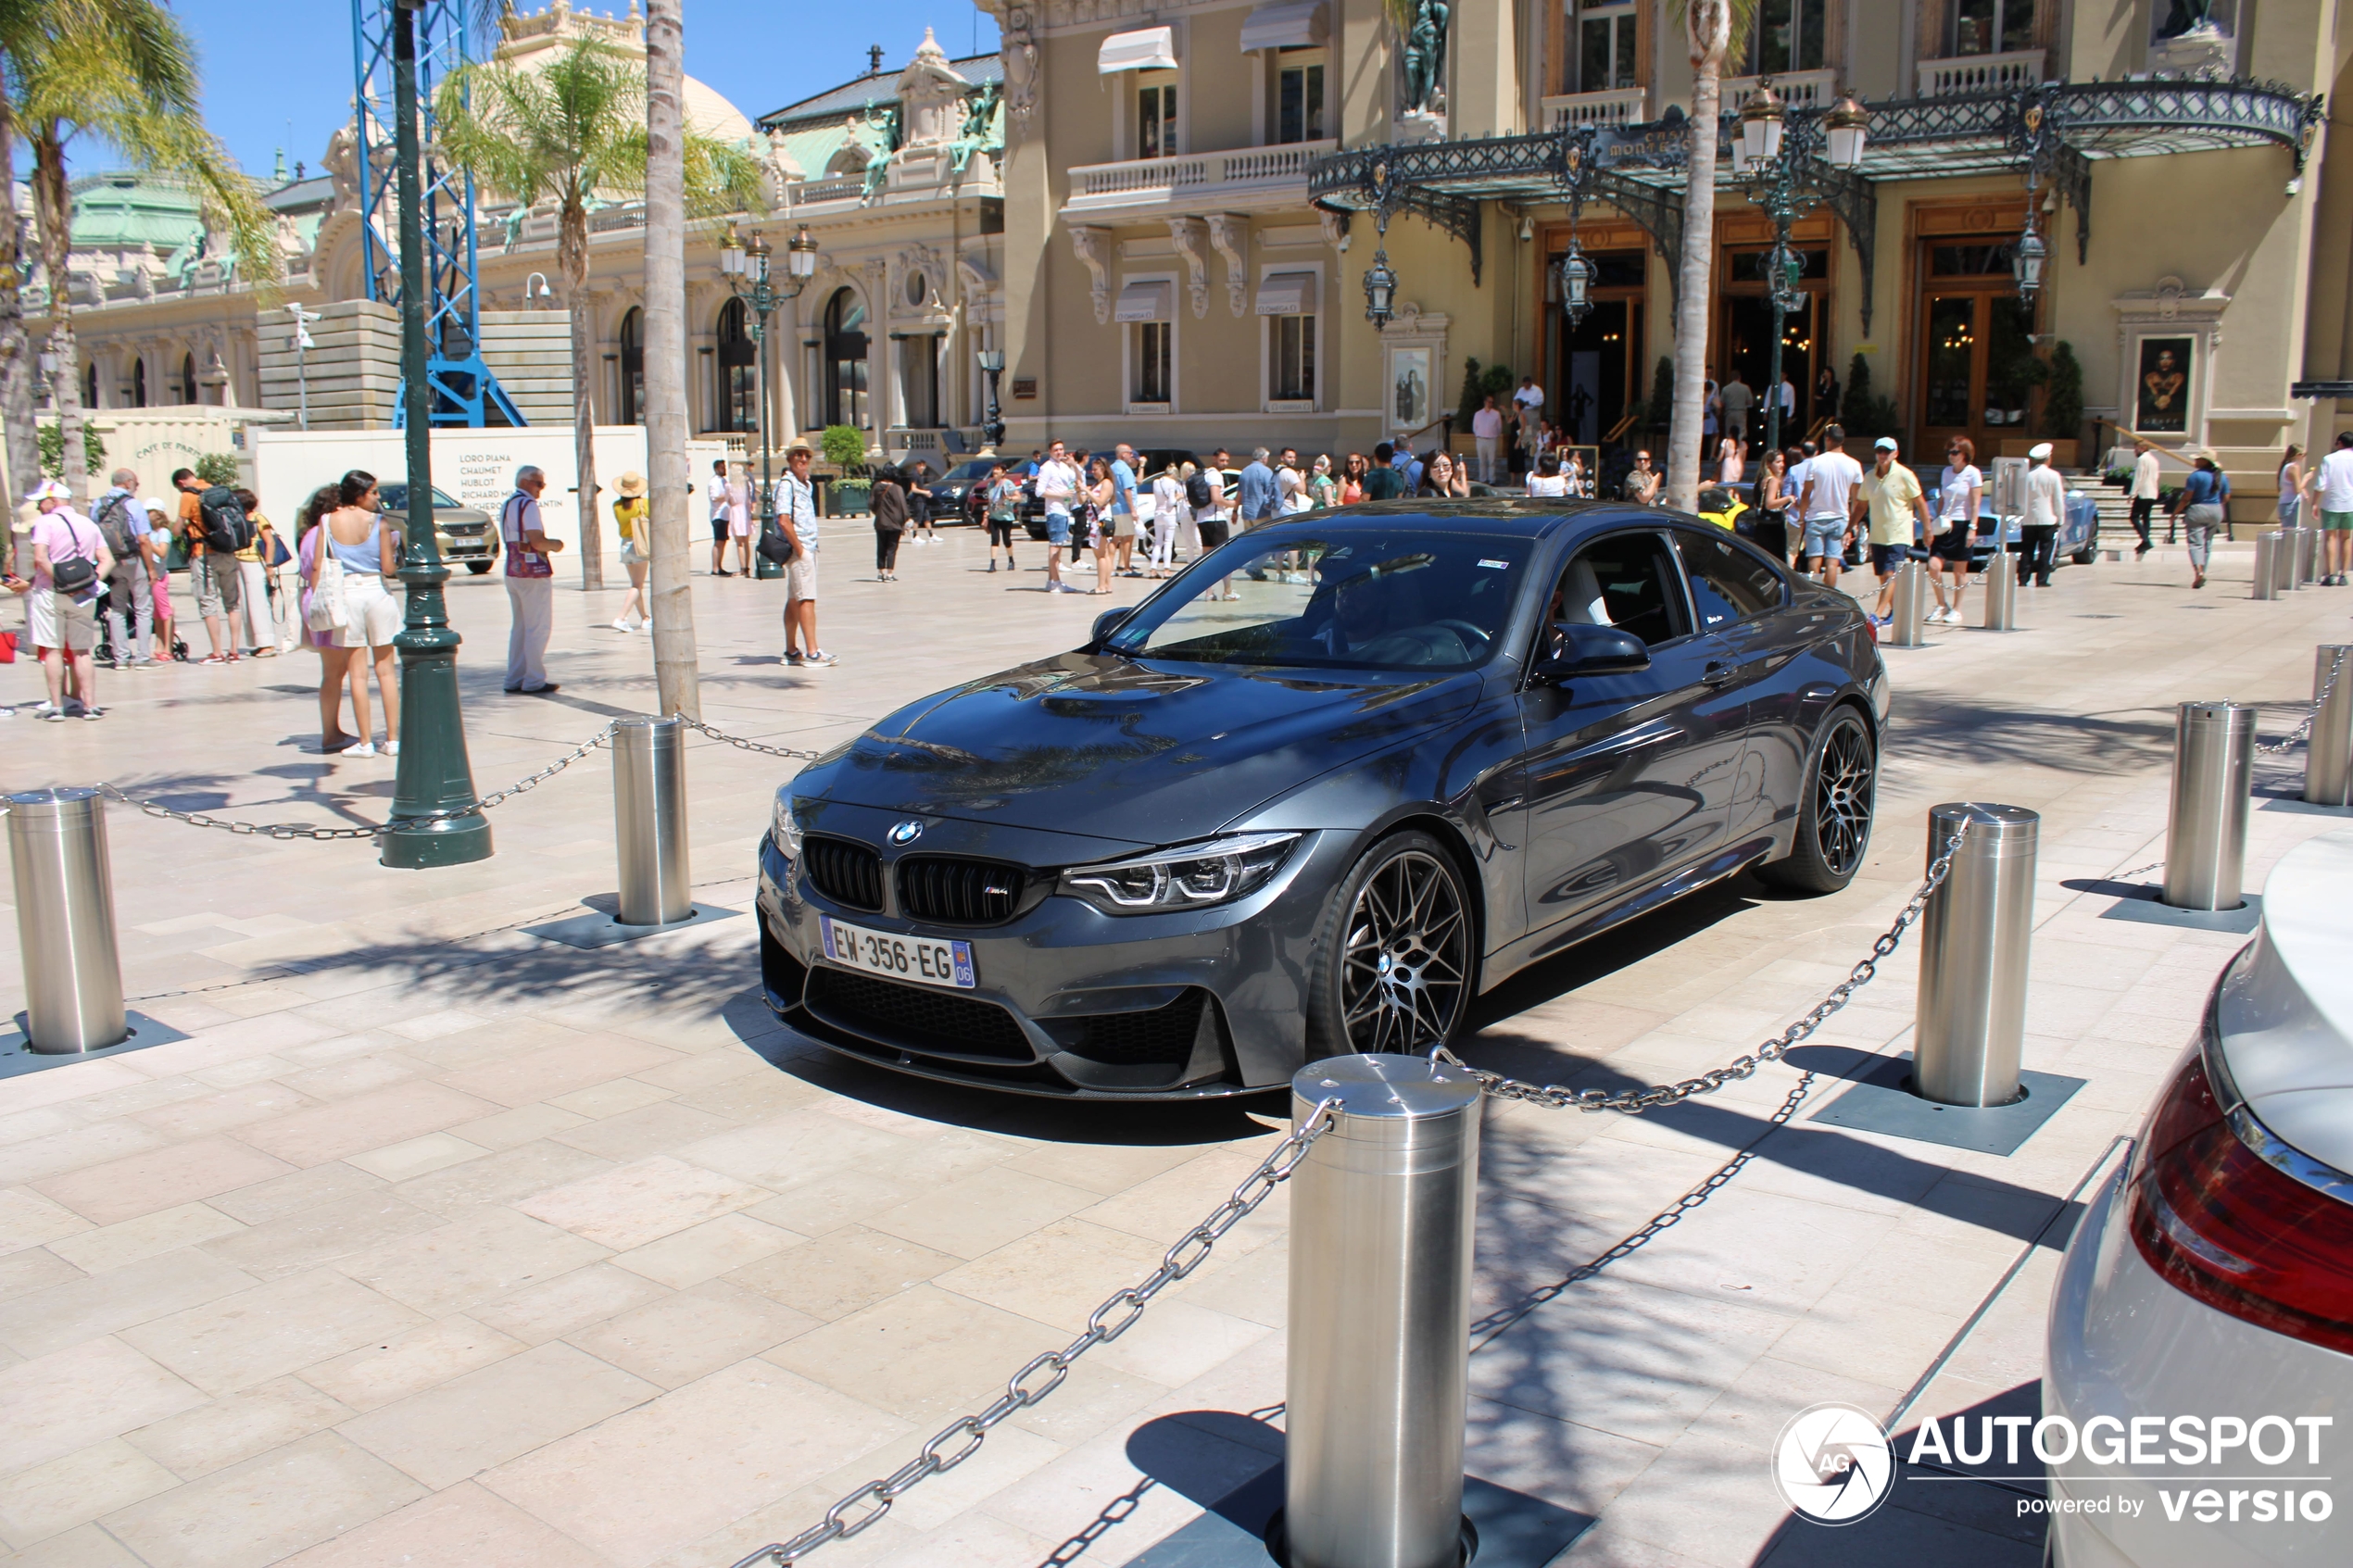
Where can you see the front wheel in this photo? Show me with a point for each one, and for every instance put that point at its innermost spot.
(478, 567)
(1834, 819)
(1393, 964)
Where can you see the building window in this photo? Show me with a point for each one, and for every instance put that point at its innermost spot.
(139, 382)
(88, 386)
(1299, 97)
(1605, 45)
(919, 374)
(1993, 27)
(1151, 361)
(1295, 359)
(1157, 115)
(844, 351)
(188, 379)
(738, 400)
(633, 368)
(1788, 36)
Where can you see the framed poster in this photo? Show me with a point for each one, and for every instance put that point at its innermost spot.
(1408, 388)
(2161, 387)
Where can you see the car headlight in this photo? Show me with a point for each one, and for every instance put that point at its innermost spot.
(1192, 876)
(782, 828)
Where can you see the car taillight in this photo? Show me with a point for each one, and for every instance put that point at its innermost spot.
(2214, 1218)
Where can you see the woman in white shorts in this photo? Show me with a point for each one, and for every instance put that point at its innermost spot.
(354, 534)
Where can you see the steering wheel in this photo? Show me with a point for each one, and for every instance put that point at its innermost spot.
(1473, 638)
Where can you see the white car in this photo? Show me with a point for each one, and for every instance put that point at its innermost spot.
(2201, 1332)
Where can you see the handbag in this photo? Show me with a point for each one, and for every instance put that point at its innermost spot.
(325, 612)
(279, 554)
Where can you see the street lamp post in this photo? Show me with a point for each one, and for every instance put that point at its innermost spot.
(1783, 151)
(302, 369)
(435, 819)
(740, 262)
(993, 433)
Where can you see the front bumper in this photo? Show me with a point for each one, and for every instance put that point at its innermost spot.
(1071, 1002)
(480, 544)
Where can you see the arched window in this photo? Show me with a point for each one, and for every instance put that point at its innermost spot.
(139, 382)
(738, 401)
(844, 351)
(188, 379)
(89, 385)
(633, 366)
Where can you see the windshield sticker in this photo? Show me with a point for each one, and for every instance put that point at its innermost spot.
(1498, 565)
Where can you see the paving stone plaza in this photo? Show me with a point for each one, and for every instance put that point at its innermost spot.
(434, 1241)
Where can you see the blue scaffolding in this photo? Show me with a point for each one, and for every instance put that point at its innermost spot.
(461, 389)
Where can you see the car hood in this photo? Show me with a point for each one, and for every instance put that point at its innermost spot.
(1101, 745)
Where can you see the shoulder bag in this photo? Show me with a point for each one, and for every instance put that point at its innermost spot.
(325, 612)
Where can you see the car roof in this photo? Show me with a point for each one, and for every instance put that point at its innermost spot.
(1523, 517)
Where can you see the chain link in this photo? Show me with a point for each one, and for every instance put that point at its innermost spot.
(298, 830)
(1557, 1097)
(2303, 732)
(748, 744)
(962, 1438)
(2137, 870)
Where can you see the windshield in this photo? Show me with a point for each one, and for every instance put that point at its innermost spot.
(1402, 600)
(395, 496)
(973, 471)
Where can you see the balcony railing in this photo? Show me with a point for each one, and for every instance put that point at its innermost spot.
(1798, 89)
(1980, 73)
(1152, 181)
(847, 187)
(1615, 106)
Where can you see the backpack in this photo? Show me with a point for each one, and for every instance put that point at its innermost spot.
(226, 527)
(1197, 491)
(115, 529)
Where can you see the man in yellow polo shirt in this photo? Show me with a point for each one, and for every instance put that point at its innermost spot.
(1890, 495)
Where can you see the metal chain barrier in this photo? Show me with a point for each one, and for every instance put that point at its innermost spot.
(747, 745)
(297, 830)
(2303, 732)
(1557, 1097)
(960, 1439)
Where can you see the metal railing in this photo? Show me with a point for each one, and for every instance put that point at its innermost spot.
(1980, 73)
(1610, 106)
(1112, 184)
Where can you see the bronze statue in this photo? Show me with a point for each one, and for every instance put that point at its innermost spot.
(1425, 54)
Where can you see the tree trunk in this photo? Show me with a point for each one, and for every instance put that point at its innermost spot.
(1709, 25)
(19, 443)
(572, 259)
(673, 604)
(52, 209)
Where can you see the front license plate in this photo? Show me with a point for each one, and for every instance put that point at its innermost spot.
(918, 958)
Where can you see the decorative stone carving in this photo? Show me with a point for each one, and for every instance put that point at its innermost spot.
(1335, 227)
(779, 171)
(1019, 50)
(1187, 234)
(1228, 235)
(1093, 246)
(929, 92)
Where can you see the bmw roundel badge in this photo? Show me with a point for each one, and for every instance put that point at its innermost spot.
(906, 834)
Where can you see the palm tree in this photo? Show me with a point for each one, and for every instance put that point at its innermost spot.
(573, 133)
(677, 687)
(1713, 29)
(124, 71)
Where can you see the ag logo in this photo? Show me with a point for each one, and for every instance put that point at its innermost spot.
(1832, 1463)
(906, 834)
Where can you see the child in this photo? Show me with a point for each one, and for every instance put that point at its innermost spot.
(156, 548)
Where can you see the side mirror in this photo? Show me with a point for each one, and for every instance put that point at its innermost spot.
(1105, 624)
(1571, 651)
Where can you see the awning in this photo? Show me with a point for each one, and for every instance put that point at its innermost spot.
(1148, 48)
(1288, 294)
(1295, 24)
(1147, 302)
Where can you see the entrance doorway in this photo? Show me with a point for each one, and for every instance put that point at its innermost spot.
(1597, 364)
(1976, 348)
(1744, 336)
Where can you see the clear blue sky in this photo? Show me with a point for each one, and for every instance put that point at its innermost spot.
(277, 73)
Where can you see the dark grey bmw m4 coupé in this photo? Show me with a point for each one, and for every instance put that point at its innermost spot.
(1342, 774)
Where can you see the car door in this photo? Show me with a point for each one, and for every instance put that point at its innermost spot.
(1737, 597)
(1626, 777)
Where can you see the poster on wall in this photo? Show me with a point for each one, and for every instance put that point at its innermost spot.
(2162, 396)
(1409, 388)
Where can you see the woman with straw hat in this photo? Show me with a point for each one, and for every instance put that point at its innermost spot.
(630, 512)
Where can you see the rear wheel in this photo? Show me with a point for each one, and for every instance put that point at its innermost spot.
(1834, 820)
(478, 567)
(1393, 963)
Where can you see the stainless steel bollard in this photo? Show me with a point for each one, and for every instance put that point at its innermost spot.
(1974, 935)
(2267, 565)
(650, 819)
(2291, 543)
(2328, 756)
(65, 920)
(2001, 594)
(1907, 623)
(1382, 1211)
(2308, 555)
(2213, 790)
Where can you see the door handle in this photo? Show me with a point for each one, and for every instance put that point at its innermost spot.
(1717, 673)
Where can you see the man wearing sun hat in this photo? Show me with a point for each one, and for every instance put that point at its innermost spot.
(1889, 502)
(2046, 504)
(70, 561)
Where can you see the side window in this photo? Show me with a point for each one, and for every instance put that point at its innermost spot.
(1627, 580)
(1728, 583)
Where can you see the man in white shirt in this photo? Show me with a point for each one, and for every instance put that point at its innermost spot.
(1058, 484)
(2331, 485)
(2145, 483)
(1831, 479)
(2045, 508)
(726, 501)
(1527, 407)
(1487, 432)
(794, 505)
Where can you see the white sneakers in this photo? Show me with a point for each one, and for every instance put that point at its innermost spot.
(633, 625)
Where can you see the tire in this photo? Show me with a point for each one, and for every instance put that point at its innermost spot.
(2084, 557)
(479, 568)
(1834, 818)
(1395, 964)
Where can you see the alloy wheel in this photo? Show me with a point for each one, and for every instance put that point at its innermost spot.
(1843, 792)
(1407, 959)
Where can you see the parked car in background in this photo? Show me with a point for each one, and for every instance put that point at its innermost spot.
(2079, 539)
(957, 496)
(462, 533)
